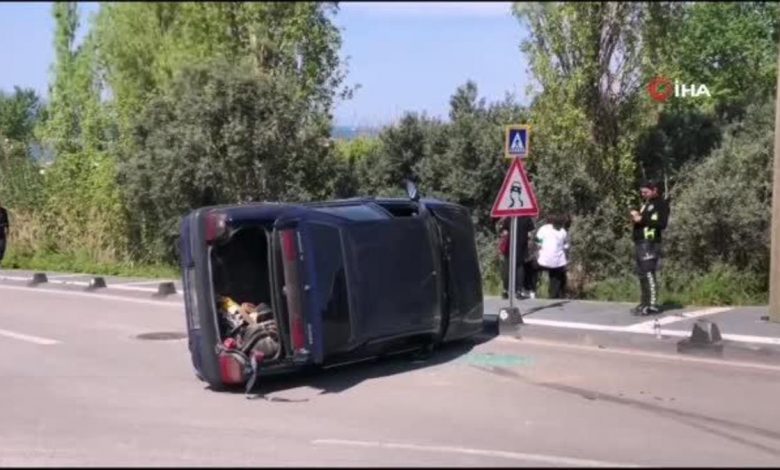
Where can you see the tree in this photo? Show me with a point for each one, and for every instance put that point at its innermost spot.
(587, 57)
(83, 208)
(19, 114)
(143, 46)
(732, 48)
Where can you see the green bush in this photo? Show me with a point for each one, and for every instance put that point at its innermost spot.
(223, 135)
(722, 211)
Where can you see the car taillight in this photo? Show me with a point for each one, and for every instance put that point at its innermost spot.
(292, 288)
(216, 226)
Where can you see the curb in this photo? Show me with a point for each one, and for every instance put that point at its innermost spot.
(668, 344)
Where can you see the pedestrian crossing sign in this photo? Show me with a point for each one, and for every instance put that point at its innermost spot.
(516, 145)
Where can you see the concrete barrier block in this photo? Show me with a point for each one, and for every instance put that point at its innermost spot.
(96, 283)
(705, 337)
(165, 288)
(38, 278)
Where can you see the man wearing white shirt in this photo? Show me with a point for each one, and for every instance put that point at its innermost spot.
(553, 241)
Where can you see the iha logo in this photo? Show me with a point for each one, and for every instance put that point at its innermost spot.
(661, 89)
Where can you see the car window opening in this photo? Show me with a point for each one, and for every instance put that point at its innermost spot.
(241, 273)
(400, 209)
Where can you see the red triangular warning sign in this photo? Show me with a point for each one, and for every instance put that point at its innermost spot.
(516, 198)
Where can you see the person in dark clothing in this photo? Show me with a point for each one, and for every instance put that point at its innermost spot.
(649, 222)
(4, 225)
(524, 226)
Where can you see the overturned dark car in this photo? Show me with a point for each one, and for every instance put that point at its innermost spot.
(272, 287)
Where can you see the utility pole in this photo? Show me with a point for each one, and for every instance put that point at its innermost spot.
(774, 270)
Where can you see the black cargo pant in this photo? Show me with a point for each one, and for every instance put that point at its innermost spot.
(648, 257)
(2, 248)
(557, 278)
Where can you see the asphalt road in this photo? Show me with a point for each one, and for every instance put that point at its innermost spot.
(79, 388)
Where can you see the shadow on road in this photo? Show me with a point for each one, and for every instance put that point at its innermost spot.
(667, 306)
(341, 378)
(542, 307)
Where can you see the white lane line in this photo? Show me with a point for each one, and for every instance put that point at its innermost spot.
(88, 295)
(28, 338)
(636, 353)
(549, 459)
(648, 325)
(572, 324)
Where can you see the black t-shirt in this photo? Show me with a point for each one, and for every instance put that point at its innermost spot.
(655, 216)
(3, 222)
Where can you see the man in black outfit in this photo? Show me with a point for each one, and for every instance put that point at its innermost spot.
(649, 222)
(3, 231)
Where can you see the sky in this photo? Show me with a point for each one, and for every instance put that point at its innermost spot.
(406, 56)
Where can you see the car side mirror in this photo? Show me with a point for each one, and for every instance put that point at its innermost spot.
(411, 191)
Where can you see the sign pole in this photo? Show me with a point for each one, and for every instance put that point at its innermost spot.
(512, 261)
(774, 252)
(515, 199)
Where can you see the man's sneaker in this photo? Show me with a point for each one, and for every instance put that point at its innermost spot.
(504, 295)
(651, 310)
(638, 310)
(531, 294)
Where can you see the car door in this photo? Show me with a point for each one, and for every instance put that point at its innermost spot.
(465, 304)
(202, 328)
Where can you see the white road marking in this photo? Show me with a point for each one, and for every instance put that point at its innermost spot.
(15, 278)
(572, 324)
(28, 338)
(140, 283)
(646, 328)
(89, 295)
(548, 302)
(750, 339)
(64, 276)
(635, 353)
(549, 459)
(648, 325)
(86, 283)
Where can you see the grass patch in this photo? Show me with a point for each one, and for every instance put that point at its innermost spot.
(722, 285)
(81, 263)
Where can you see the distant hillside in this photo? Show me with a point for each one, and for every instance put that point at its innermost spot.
(350, 132)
